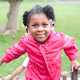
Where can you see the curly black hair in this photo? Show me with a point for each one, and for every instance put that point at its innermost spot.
(47, 10)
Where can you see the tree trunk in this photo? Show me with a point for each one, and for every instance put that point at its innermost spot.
(12, 16)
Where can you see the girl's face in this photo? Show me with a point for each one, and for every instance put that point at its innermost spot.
(39, 27)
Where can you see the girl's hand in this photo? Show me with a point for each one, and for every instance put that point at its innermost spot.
(75, 64)
(1, 78)
(5, 78)
(8, 77)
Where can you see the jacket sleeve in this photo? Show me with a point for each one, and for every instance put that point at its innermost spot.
(12, 53)
(70, 47)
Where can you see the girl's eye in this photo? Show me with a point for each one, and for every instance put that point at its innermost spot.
(35, 26)
(45, 25)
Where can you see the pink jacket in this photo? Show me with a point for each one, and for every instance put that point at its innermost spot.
(45, 58)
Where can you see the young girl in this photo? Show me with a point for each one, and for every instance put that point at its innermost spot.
(43, 46)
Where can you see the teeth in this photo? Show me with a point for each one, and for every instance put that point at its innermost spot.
(40, 35)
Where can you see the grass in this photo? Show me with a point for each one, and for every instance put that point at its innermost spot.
(67, 20)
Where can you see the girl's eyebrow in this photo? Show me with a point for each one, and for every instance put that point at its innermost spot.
(39, 24)
(35, 24)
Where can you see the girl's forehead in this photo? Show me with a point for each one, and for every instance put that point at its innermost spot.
(39, 15)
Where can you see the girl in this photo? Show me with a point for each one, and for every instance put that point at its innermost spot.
(43, 46)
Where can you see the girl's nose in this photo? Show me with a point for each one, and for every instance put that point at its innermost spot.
(40, 28)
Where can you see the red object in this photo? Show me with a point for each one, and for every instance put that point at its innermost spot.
(45, 58)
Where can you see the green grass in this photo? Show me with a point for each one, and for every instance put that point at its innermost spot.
(67, 20)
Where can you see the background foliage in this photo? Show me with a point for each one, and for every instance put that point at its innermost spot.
(67, 21)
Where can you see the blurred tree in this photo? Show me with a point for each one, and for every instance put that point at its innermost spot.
(11, 25)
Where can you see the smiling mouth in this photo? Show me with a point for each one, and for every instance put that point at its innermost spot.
(40, 35)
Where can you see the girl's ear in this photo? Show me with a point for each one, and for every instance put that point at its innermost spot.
(26, 29)
(52, 23)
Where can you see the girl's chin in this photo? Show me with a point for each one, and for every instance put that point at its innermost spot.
(41, 40)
